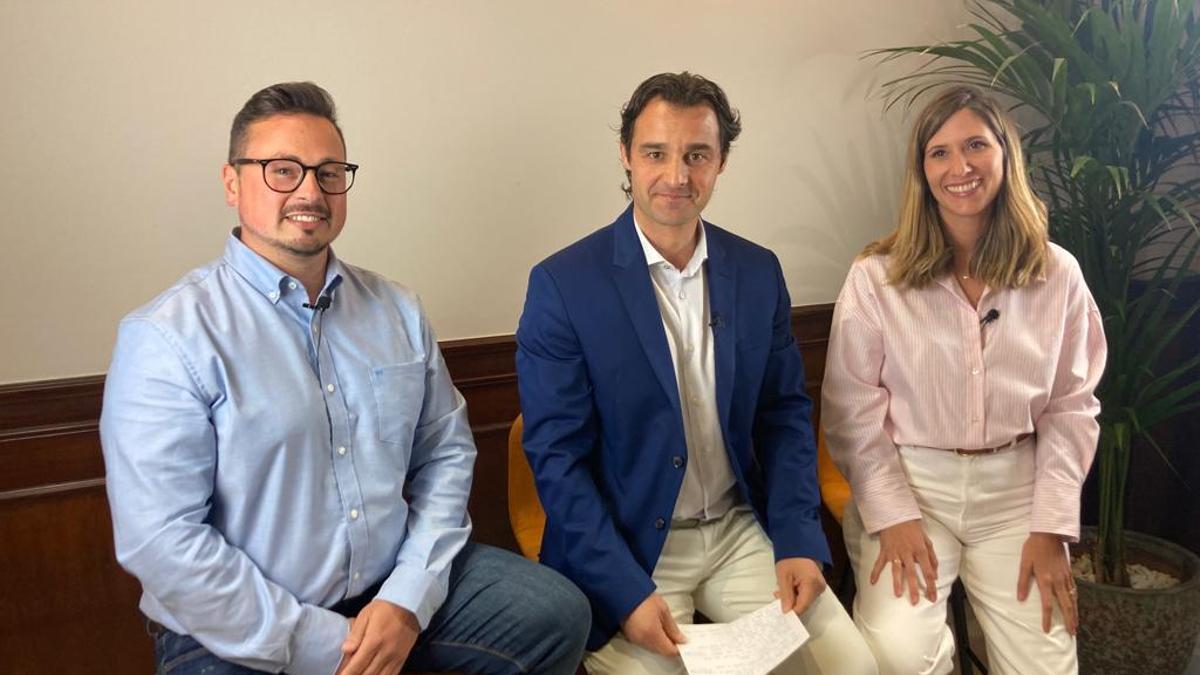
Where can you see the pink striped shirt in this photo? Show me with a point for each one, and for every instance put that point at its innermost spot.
(916, 367)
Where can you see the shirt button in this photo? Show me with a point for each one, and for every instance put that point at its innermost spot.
(357, 576)
(273, 294)
(292, 285)
(341, 449)
(353, 514)
(329, 388)
(676, 461)
(683, 295)
(660, 524)
(974, 371)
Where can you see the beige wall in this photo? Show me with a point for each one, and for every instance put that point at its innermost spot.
(485, 130)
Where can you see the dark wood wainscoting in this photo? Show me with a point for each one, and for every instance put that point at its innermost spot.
(65, 604)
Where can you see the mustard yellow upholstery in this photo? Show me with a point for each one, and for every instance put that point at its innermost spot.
(835, 489)
(528, 520)
(525, 512)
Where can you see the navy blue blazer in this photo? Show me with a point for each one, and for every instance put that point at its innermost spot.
(603, 428)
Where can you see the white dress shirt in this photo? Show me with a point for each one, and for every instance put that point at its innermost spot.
(709, 486)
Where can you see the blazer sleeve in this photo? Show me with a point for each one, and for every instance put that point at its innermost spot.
(561, 435)
(784, 443)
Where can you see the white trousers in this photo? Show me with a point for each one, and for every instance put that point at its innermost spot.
(726, 568)
(976, 512)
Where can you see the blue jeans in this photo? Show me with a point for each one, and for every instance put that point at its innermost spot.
(504, 615)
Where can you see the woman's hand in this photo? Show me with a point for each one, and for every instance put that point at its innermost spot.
(905, 547)
(1044, 559)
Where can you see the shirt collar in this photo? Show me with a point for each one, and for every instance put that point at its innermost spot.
(653, 257)
(265, 277)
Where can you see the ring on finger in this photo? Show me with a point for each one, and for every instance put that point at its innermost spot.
(897, 561)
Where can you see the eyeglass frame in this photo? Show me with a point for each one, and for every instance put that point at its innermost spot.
(244, 161)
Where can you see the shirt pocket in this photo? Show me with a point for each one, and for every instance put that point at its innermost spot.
(399, 394)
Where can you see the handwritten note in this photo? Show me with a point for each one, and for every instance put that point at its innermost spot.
(752, 645)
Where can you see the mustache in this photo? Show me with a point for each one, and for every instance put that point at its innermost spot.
(312, 208)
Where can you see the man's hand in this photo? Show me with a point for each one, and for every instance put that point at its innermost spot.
(800, 582)
(651, 626)
(905, 547)
(381, 636)
(1045, 559)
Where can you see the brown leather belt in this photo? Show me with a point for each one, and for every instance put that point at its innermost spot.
(972, 452)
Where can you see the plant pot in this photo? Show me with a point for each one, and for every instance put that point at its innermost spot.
(1122, 630)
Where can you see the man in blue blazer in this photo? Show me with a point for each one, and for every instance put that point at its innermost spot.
(665, 414)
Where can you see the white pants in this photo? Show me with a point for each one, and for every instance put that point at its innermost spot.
(976, 512)
(726, 568)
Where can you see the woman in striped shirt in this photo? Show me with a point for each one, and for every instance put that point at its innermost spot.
(958, 400)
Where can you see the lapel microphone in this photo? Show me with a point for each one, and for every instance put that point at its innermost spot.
(991, 316)
(324, 301)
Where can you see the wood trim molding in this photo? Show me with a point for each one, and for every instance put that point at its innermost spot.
(58, 420)
(50, 404)
(43, 490)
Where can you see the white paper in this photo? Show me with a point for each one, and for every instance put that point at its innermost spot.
(752, 645)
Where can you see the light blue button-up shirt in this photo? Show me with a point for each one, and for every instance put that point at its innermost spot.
(266, 460)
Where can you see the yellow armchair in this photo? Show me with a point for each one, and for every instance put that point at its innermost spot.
(525, 513)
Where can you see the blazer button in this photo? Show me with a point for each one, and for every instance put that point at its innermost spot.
(676, 461)
(660, 524)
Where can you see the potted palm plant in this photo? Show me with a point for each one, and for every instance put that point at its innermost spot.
(1110, 94)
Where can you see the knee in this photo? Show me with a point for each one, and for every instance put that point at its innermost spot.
(846, 652)
(561, 612)
(859, 662)
(899, 647)
(568, 608)
(856, 661)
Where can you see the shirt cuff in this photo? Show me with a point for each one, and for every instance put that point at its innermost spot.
(418, 591)
(884, 503)
(1056, 509)
(316, 644)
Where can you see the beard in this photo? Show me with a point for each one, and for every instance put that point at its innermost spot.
(308, 250)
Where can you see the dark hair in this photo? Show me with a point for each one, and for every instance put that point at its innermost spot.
(683, 90)
(285, 98)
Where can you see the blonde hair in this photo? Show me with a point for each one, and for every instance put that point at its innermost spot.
(1013, 249)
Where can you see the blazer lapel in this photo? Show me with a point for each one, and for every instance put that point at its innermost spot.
(632, 278)
(722, 309)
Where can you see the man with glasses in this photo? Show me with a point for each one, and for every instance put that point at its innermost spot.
(288, 461)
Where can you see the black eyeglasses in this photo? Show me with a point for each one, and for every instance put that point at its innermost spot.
(286, 175)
